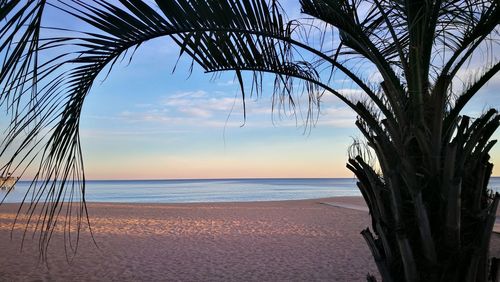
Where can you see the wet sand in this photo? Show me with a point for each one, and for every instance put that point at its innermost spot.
(260, 241)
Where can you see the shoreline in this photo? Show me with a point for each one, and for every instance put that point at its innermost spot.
(220, 190)
(325, 199)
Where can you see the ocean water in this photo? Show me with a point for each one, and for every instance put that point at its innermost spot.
(205, 190)
(211, 190)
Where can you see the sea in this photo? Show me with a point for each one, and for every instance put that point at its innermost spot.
(211, 190)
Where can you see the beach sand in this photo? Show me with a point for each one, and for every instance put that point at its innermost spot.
(259, 241)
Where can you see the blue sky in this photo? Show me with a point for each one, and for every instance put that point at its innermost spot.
(145, 122)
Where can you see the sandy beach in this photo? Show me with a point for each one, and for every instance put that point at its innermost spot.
(301, 240)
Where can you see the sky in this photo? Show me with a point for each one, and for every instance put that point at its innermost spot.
(146, 122)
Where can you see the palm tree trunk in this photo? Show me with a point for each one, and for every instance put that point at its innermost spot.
(437, 227)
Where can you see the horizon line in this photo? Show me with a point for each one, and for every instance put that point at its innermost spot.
(223, 178)
(215, 178)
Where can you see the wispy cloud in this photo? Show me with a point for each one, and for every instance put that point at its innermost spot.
(199, 100)
(226, 83)
(174, 121)
(337, 117)
(195, 109)
(190, 108)
(107, 134)
(197, 112)
(355, 94)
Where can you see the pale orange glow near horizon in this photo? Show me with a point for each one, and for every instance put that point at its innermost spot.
(189, 167)
(304, 159)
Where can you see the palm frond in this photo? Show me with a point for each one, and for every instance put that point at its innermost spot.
(54, 112)
(19, 39)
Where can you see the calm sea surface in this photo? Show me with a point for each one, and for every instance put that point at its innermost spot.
(220, 190)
